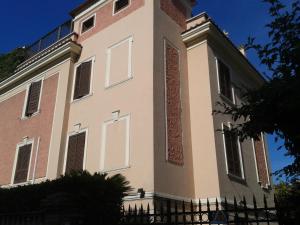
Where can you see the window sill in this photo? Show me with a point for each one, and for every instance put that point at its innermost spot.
(266, 188)
(82, 98)
(18, 184)
(236, 178)
(29, 117)
(116, 170)
(227, 100)
(118, 83)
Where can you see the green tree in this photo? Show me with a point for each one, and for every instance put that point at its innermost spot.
(288, 197)
(9, 62)
(274, 107)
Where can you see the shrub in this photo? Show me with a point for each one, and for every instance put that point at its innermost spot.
(97, 198)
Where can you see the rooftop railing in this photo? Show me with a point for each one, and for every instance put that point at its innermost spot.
(49, 39)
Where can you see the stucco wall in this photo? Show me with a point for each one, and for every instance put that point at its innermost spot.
(242, 76)
(133, 96)
(13, 129)
(170, 180)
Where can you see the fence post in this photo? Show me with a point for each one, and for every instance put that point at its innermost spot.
(169, 219)
(266, 210)
(255, 210)
(208, 212)
(236, 216)
(245, 209)
(278, 211)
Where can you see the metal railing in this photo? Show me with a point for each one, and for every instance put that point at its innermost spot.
(176, 213)
(167, 212)
(49, 39)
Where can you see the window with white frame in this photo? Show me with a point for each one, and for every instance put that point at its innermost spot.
(232, 152)
(82, 82)
(22, 163)
(33, 98)
(120, 4)
(88, 24)
(225, 87)
(74, 160)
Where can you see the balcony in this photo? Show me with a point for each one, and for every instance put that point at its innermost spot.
(53, 41)
(59, 44)
(49, 39)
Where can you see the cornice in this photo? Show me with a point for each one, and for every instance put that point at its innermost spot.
(209, 31)
(54, 52)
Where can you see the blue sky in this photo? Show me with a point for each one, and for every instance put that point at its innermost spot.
(23, 22)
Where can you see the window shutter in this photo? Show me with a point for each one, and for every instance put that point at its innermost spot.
(85, 78)
(77, 82)
(22, 166)
(33, 98)
(78, 164)
(232, 152)
(75, 153)
(71, 153)
(225, 80)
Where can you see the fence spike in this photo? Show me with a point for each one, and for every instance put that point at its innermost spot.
(226, 209)
(148, 209)
(135, 213)
(265, 202)
(226, 204)
(208, 210)
(200, 210)
(129, 210)
(235, 203)
(236, 217)
(192, 212)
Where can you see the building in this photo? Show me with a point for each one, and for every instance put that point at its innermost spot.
(129, 86)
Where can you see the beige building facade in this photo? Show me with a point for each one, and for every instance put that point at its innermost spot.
(131, 89)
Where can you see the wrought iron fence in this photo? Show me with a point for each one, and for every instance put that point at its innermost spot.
(50, 38)
(175, 213)
(33, 218)
(170, 213)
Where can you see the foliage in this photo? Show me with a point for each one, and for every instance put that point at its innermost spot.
(274, 107)
(288, 197)
(9, 62)
(94, 196)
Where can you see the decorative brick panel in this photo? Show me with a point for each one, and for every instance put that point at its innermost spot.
(262, 167)
(176, 10)
(105, 17)
(173, 107)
